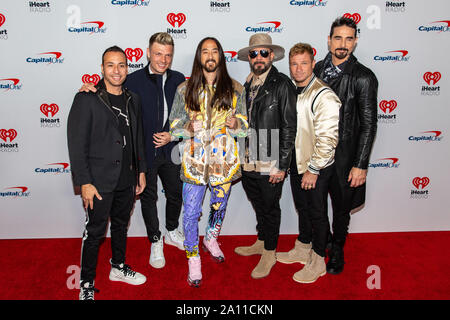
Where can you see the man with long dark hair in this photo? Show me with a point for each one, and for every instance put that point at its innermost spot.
(208, 113)
(356, 87)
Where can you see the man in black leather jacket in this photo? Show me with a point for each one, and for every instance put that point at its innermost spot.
(356, 87)
(272, 116)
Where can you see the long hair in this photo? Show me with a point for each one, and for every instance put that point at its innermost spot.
(223, 96)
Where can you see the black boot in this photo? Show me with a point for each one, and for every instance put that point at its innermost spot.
(336, 262)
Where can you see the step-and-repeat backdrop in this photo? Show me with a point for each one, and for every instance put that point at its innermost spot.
(49, 48)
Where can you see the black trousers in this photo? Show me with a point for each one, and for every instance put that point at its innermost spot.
(341, 202)
(173, 187)
(311, 207)
(117, 207)
(265, 199)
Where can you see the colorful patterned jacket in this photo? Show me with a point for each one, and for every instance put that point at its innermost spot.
(209, 155)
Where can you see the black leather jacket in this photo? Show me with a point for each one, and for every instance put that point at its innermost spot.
(357, 90)
(274, 107)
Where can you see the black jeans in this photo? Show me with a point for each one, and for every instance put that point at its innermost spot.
(341, 202)
(265, 199)
(311, 207)
(117, 206)
(173, 187)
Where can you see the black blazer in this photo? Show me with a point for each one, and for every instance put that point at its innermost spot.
(94, 140)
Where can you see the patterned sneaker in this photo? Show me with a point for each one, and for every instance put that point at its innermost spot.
(175, 238)
(123, 272)
(87, 290)
(195, 272)
(157, 259)
(212, 246)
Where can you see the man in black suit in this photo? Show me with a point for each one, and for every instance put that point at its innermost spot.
(107, 156)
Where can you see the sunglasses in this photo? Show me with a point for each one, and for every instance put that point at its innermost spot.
(254, 53)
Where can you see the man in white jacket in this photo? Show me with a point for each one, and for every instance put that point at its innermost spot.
(315, 143)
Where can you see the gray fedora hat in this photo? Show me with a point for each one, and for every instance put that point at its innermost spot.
(261, 40)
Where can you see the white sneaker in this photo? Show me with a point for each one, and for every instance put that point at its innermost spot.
(157, 255)
(124, 273)
(175, 238)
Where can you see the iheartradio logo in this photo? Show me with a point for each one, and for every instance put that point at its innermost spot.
(355, 17)
(134, 53)
(174, 19)
(388, 105)
(49, 110)
(432, 77)
(420, 183)
(2, 19)
(87, 78)
(10, 134)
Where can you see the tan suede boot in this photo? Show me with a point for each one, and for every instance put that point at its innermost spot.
(256, 248)
(300, 254)
(314, 269)
(265, 264)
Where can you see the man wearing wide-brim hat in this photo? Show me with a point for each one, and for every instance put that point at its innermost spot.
(271, 108)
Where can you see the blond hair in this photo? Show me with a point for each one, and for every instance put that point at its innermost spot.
(162, 38)
(301, 48)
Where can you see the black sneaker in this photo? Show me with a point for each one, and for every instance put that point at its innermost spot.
(87, 290)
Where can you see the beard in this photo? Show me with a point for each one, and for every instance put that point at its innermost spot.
(259, 68)
(210, 68)
(341, 53)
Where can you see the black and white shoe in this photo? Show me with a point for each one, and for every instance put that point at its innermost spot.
(87, 290)
(123, 272)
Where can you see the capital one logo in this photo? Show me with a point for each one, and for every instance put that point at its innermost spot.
(16, 192)
(271, 27)
(134, 53)
(10, 134)
(388, 105)
(432, 77)
(310, 3)
(2, 19)
(10, 84)
(443, 27)
(401, 56)
(49, 110)
(385, 163)
(174, 19)
(53, 59)
(87, 78)
(230, 56)
(59, 167)
(355, 17)
(93, 27)
(427, 136)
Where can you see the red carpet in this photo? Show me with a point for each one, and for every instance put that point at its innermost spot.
(413, 265)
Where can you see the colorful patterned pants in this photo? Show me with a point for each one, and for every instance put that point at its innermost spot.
(192, 202)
